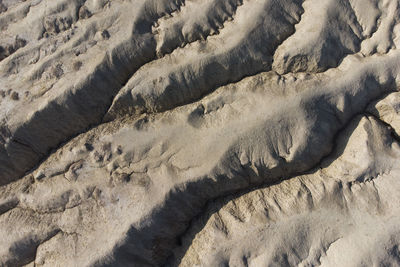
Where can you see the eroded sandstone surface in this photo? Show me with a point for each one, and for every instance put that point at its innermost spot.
(199, 133)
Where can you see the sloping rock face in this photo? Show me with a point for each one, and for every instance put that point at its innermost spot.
(200, 133)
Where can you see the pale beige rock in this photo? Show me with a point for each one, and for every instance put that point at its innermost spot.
(199, 133)
(343, 214)
(388, 110)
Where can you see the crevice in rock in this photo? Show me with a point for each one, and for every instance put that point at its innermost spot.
(25, 250)
(392, 131)
(181, 41)
(8, 205)
(176, 216)
(84, 117)
(106, 119)
(167, 100)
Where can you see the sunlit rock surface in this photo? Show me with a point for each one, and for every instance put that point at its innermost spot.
(199, 133)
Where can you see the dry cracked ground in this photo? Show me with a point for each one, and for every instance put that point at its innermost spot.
(199, 133)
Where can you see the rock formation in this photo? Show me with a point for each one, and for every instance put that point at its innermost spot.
(200, 133)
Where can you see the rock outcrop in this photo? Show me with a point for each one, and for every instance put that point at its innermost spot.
(199, 133)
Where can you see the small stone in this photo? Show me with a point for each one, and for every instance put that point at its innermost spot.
(88, 146)
(15, 96)
(119, 150)
(105, 34)
(84, 13)
(96, 193)
(19, 42)
(39, 175)
(119, 178)
(98, 157)
(57, 71)
(77, 65)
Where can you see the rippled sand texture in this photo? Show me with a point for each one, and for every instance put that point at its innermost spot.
(199, 133)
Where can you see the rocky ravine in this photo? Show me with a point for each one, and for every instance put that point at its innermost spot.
(200, 133)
